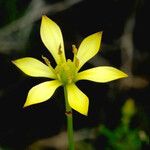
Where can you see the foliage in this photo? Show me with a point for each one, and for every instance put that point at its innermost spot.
(123, 137)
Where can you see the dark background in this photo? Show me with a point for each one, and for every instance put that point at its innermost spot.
(20, 127)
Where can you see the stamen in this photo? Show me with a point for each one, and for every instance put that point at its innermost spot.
(48, 64)
(74, 49)
(59, 50)
(75, 59)
(46, 61)
(77, 62)
(60, 53)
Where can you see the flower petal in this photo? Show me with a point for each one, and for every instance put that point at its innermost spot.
(34, 67)
(52, 38)
(41, 92)
(89, 48)
(101, 74)
(77, 99)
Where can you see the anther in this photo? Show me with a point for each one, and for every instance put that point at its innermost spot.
(59, 50)
(46, 61)
(74, 49)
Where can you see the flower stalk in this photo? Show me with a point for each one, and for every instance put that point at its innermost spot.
(69, 122)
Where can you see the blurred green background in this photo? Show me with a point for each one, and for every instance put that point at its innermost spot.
(125, 45)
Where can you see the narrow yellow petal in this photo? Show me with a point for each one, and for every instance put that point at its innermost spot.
(89, 48)
(101, 74)
(77, 99)
(52, 38)
(41, 92)
(34, 67)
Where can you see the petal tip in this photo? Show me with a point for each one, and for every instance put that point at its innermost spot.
(27, 102)
(44, 17)
(13, 61)
(25, 105)
(85, 114)
(99, 33)
(125, 75)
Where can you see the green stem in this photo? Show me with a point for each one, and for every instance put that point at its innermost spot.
(69, 122)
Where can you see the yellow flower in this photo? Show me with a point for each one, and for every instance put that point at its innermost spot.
(66, 73)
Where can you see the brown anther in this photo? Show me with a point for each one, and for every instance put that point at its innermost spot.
(74, 49)
(68, 113)
(59, 50)
(46, 60)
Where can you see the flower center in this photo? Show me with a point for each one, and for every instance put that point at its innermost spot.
(66, 72)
